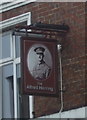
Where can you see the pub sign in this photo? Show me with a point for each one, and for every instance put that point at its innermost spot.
(39, 65)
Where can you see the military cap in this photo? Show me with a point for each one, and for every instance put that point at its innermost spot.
(39, 50)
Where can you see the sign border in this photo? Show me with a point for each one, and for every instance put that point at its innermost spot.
(56, 67)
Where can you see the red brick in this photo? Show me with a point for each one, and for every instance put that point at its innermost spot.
(73, 52)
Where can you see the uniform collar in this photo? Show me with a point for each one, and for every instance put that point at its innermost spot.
(41, 62)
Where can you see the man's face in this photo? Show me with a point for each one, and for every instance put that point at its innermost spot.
(40, 56)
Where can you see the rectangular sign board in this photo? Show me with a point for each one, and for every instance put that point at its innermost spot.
(39, 63)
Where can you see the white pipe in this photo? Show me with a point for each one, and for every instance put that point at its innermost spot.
(31, 98)
(31, 106)
(61, 89)
(15, 83)
(15, 91)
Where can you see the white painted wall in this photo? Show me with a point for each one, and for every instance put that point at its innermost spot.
(13, 4)
(3, 24)
(75, 113)
(0, 93)
(0, 80)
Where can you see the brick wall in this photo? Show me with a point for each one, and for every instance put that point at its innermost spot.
(73, 55)
(73, 52)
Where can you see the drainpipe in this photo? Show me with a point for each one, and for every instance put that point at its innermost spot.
(31, 106)
(31, 98)
(61, 80)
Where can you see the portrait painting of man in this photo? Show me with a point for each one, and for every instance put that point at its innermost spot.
(41, 69)
(39, 66)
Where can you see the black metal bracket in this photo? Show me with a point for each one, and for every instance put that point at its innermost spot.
(48, 30)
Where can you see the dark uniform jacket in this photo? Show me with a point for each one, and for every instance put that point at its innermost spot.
(41, 71)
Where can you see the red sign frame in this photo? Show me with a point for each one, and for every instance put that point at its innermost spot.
(47, 86)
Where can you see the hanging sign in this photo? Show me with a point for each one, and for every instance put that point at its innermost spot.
(39, 66)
